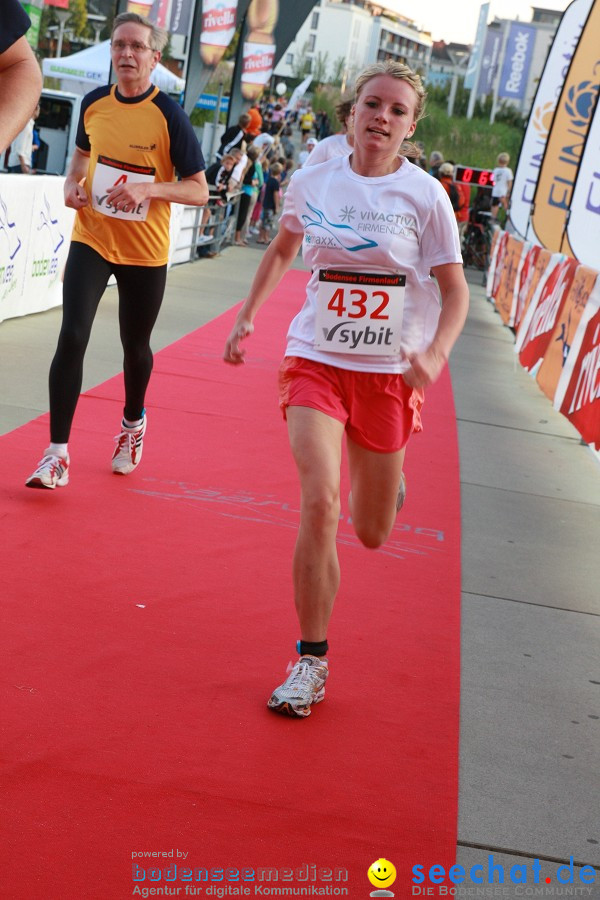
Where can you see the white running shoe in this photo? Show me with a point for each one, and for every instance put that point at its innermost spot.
(130, 443)
(304, 686)
(52, 472)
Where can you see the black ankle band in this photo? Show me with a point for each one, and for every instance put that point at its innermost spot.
(312, 648)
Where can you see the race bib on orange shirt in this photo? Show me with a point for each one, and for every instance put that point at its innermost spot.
(359, 312)
(111, 172)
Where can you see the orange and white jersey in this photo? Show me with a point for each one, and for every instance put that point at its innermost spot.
(145, 138)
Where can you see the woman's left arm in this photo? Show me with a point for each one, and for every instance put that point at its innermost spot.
(425, 367)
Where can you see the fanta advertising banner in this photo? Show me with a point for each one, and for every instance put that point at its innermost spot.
(578, 392)
(517, 61)
(504, 295)
(567, 323)
(583, 228)
(564, 147)
(540, 120)
(535, 333)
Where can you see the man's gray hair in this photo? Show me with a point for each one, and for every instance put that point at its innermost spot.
(158, 36)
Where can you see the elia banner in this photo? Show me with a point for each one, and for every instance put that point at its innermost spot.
(564, 147)
(517, 61)
(542, 111)
(583, 228)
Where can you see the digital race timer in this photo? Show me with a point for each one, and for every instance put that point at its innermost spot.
(477, 177)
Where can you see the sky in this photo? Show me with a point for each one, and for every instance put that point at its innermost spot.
(456, 20)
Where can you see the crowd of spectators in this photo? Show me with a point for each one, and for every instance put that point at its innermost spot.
(283, 139)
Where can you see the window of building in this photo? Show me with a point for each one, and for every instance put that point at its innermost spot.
(312, 40)
(314, 22)
(289, 59)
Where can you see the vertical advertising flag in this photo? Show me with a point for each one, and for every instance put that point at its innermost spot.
(473, 64)
(583, 228)
(567, 323)
(258, 54)
(535, 336)
(564, 147)
(180, 14)
(489, 61)
(34, 11)
(578, 392)
(213, 27)
(219, 20)
(517, 61)
(540, 120)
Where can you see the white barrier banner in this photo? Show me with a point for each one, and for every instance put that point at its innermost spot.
(583, 229)
(35, 236)
(542, 113)
(35, 233)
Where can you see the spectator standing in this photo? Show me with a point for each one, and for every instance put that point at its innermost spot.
(435, 161)
(307, 151)
(20, 158)
(254, 126)
(234, 137)
(503, 179)
(271, 203)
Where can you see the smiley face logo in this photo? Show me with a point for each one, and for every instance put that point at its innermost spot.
(382, 873)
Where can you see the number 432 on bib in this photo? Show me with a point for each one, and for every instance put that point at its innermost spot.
(359, 313)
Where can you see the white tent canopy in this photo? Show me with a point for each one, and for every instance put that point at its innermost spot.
(90, 67)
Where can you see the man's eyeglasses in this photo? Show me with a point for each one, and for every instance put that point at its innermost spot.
(135, 46)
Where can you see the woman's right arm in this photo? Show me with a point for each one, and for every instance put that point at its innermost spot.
(275, 262)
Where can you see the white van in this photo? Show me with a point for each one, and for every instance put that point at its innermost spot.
(57, 125)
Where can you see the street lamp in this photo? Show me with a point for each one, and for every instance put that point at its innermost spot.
(63, 17)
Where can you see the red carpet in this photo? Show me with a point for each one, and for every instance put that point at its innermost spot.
(146, 619)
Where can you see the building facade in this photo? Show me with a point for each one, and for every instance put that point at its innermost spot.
(341, 37)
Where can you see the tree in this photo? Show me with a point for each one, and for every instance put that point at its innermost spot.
(337, 70)
(319, 68)
(301, 64)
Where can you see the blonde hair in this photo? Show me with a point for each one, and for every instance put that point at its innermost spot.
(395, 70)
(158, 36)
(503, 158)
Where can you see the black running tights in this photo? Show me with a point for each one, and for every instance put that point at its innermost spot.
(141, 290)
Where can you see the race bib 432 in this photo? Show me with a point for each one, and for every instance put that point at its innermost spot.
(359, 312)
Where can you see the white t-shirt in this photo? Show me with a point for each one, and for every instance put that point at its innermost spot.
(502, 178)
(262, 140)
(328, 148)
(237, 173)
(400, 223)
